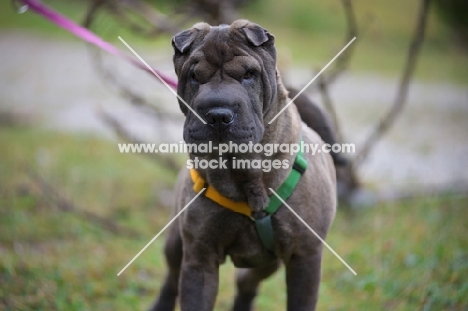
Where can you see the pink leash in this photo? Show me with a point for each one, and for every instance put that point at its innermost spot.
(88, 36)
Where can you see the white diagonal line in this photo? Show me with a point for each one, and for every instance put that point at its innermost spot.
(159, 77)
(313, 79)
(315, 233)
(162, 230)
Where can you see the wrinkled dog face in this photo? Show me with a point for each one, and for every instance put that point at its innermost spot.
(227, 75)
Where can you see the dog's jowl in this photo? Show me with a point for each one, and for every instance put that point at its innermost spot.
(228, 77)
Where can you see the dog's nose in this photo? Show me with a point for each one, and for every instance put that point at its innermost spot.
(219, 116)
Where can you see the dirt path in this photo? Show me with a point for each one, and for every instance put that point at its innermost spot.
(55, 82)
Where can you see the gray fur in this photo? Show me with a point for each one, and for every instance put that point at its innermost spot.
(210, 63)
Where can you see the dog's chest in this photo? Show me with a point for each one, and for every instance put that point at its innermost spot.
(228, 182)
(248, 252)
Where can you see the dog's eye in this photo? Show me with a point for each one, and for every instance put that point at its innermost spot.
(247, 75)
(193, 77)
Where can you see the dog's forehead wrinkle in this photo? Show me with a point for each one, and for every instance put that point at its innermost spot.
(239, 64)
(216, 46)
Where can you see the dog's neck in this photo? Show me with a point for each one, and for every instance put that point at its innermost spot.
(251, 185)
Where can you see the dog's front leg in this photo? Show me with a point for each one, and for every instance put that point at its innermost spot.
(303, 280)
(199, 281)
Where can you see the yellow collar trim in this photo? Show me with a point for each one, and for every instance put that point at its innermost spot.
(214, 195)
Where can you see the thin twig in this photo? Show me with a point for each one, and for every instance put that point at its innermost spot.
(93, 9)
(158, 22)
(65, 205)
(135, 99)
(107, 73)
(123, 134)
(161, 23)
(400, 100)
(340, 65)
(342, 62)
(330, 107)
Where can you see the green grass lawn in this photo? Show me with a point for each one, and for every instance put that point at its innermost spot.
(411, 255)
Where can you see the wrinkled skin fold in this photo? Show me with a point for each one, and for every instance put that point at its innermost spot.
(227, 74)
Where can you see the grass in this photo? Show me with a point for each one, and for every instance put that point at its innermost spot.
(308, 34)
(58, 261)
(411, 255)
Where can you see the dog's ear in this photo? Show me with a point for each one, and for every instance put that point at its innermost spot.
(183, 40)
(257, 35)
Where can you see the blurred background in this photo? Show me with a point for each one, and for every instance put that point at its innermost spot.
(74, 210)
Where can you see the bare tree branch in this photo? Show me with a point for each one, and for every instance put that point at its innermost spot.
(54, 196)
(109, 76)
(160, 22)
(330, 107)
(93, 9)
(157, 22)
(126, 92)
(389, 118)
(341, 64)
(123, 134)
